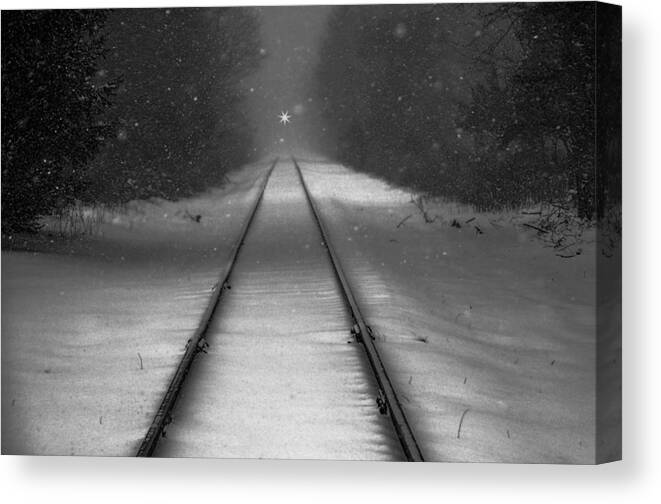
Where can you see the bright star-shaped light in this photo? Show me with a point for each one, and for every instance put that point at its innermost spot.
(284, 117)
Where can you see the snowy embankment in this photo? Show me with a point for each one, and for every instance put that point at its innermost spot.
(92, 334)
(490, 338)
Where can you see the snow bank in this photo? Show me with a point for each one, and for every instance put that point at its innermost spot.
(491, 327)
(92, 334)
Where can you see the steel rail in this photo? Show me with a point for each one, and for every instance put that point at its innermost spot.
(197, 342)
(363, 334)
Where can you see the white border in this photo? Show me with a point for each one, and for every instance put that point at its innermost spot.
(97, 480)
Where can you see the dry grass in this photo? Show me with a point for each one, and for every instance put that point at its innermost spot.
(78, 220)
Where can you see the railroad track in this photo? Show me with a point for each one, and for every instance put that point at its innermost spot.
(196, 342)
(386, 400)
(363, 334)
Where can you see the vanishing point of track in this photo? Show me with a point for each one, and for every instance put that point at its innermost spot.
(387, 400)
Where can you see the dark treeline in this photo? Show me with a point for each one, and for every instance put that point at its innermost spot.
(492, 105)
(110, 105)
(51, 107)
(179, 123)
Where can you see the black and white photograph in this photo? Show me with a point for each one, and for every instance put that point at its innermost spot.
(381, 232)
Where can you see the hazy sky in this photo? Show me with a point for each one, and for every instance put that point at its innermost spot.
(290, 37)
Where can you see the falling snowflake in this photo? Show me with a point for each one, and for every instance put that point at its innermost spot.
(400, 30)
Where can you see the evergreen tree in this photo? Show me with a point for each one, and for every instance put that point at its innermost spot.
(52, 103)
(544, 110)
(553, 90)
(178, 111)
(391, 81)
(493, 105)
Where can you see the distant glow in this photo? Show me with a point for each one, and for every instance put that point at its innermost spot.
(284, 117)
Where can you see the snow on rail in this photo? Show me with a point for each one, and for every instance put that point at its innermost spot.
(388, 399)
(196, 342)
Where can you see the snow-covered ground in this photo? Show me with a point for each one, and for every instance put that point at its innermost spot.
(91, 334)
(491, 327)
